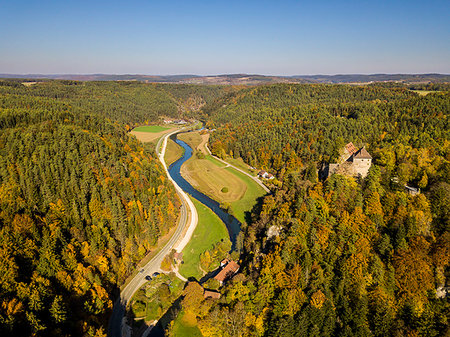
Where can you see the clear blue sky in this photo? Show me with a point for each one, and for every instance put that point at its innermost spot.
(217, 37)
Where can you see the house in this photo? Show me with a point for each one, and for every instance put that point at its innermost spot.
(228, 271)
(352, 162)
(262, 174)
(265, 175)
(211, 294)
(412, 190)
(224, 262)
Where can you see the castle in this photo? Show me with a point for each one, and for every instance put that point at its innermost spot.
(352, 162)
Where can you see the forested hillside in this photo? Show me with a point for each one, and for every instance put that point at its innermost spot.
(81, 202)
(130, 103)
(345, 256)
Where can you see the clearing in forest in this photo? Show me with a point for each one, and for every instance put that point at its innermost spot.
(149, 133)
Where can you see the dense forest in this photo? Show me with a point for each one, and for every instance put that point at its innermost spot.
(81, 202)
(344, 256)
(127, 102)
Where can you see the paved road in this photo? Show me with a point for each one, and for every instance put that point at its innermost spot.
(187, 223)
(242, 171)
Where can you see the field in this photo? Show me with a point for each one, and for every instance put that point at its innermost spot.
(173, 152)
(209, 231)
(246, 203)
(425, 92)
(150, 133)
(150, 128)
(239, 163)
(210, 176)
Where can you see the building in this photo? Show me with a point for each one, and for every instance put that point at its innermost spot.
(352, 162)
(265, 175)
(211, 294)
(228, 271)
(412, 190)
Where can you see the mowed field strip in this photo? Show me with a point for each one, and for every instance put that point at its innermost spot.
(149, 133)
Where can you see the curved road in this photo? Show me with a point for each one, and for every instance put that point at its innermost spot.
(186, 225)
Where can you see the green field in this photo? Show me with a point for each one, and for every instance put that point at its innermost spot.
(150, 128)
(239, 163)
(209, 231)
(246, 203)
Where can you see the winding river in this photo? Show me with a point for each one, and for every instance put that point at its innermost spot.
(233, 225)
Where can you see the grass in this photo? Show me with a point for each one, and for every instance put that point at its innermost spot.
(239, 163)
(246, 203)
(210, 176)
(150, 133)
(173, 152)
(425, 92)
(183, 326)
(209, 231)
(150, 128)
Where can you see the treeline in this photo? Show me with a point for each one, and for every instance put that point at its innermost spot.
(81, 202)
(344, 256)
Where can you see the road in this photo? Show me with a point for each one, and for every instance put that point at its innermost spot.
(242, 171)
(186, 225)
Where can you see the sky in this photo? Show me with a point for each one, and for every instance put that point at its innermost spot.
(224, 37)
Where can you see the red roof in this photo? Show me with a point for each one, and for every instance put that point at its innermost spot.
(351, 148)
(229, 270)
(211, 294)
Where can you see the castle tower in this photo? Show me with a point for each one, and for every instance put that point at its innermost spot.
(362, 161)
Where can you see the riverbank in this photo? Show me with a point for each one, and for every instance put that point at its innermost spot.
(210, 176)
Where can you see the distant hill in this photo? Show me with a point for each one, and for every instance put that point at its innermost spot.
(356, 78)
(246, 79)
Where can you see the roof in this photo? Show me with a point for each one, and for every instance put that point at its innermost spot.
(351, 148)
(362, 154)
(211, 294)
(224, 261)
(229, 270)
(178, 256)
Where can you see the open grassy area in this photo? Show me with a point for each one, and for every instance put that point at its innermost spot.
(246, 203)
(209, 231)
(150, 133)
(425, 92)
(193, 139)
(239, 163)
(173, 152)
(184, 326)
(210, 177)
(150, 128)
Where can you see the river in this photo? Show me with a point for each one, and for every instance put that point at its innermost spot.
(233, 225)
